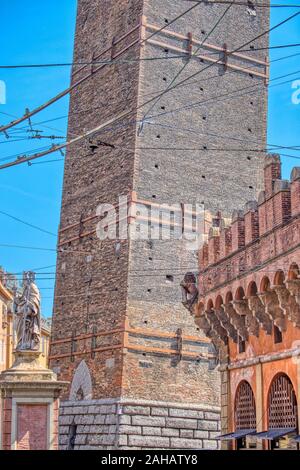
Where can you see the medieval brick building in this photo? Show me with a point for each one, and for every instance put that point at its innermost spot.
(249, 305)
(142, 374)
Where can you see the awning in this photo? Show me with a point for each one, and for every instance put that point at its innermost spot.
(297, 438)
(274, 433)
(236, 435)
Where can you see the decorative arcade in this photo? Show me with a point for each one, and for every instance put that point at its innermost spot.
(248, 304)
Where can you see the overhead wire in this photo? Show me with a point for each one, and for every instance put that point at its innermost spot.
(118, 61)
(17, 219)
(17, 130)
(219, 21)
(215, 99)
(29, 114)
(247, 4)
(51, 101)
(41, 123)
(281, 23)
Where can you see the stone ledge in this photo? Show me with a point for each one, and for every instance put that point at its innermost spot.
(136, 410)
(177, 443)
(181, 423)
(143, 403)
(185, 413)
(104, 401)
(150, 442)
(148, 421)
(166, 404)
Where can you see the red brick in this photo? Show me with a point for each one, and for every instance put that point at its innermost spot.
(272, 173)
(32, 427)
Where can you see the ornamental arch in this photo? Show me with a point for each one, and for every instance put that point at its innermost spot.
(265, 284)
(200, 309)
(240, 294)
(279, 278)
(228, 297)
(218, 302)
(252, 289)
(294, 272)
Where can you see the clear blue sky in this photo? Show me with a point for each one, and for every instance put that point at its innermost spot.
(43, 32)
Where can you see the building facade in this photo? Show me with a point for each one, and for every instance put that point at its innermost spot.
(5, 332)
(7, 337)
(142, 374)
(249, 305)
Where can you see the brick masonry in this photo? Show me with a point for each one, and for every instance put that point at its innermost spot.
(104, 286)
(272, 246)
(32, 427)
(124, 424)
(6, 427)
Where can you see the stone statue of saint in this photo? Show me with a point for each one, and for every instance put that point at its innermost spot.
(27, 312)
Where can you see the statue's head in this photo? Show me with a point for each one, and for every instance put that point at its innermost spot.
(28, 277)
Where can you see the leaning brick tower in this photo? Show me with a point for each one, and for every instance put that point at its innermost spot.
(141, 374)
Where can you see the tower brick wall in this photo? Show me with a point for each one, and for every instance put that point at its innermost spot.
(117, 303)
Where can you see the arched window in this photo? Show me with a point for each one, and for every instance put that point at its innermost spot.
(245, 411)
(81, 387)
(282, 403)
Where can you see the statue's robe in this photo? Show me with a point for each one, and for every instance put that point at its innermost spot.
(28, 322)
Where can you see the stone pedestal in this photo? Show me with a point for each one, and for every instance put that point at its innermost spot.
(29, 405)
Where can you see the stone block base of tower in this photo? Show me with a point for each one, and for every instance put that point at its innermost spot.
(137, 424)
(29, 405)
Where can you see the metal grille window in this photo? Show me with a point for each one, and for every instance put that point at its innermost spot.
(245, 412)
(282, 403)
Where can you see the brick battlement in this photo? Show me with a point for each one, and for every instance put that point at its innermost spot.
(263, 232)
